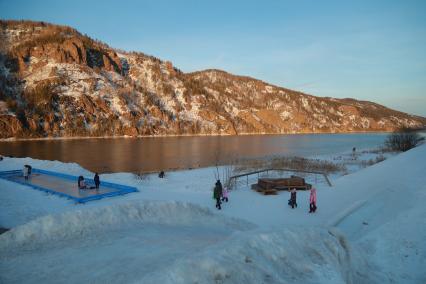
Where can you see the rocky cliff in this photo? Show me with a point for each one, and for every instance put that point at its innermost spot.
(56, 82)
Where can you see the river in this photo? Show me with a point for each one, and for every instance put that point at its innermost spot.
(165, 153)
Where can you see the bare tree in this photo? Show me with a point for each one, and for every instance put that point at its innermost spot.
(403, 140)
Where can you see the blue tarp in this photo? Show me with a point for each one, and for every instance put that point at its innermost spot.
(66, 185)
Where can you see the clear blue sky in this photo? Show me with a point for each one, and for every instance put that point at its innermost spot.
(368, 50)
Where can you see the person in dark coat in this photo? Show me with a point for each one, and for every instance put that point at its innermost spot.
(292, 201)
(27, 171)
(217, 193)
(97, 181)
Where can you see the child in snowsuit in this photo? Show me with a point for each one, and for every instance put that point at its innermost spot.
(217, 193)
(313, 200)
(292, 200)
(225, 194)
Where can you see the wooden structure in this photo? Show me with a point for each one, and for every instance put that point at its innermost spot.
(269, 186)
(234, 179)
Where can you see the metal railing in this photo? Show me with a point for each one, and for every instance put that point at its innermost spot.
(233, 180)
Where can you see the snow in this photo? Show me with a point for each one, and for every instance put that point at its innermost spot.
(285, 115)
(369, 228)
(269, 89)
(305, 104)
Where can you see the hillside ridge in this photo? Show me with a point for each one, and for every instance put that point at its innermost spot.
(57, 82)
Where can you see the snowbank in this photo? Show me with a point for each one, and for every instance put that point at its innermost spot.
(302, 255)
(171, 242)
(86, 222)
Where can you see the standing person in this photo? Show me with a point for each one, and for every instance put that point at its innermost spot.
(25, 172)
(292, 202)
(97, 181)
(313, 200)
(217, 194)
(225, 194)
(161, 174)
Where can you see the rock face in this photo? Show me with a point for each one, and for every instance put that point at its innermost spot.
(56, 82)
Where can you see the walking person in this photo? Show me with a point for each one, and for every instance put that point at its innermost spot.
(292, 201)
(225, 194)
(313, 200)
(97, 181)
(217, 194)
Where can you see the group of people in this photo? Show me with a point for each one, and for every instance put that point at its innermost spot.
(220, 193)
(82, 183)
(312, 200)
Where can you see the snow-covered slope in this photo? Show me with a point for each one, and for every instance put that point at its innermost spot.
(369, 228)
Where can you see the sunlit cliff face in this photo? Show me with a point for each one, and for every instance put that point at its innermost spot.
(55, 81)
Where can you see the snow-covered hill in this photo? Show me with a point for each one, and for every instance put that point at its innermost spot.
(55, 81)
(369, 228)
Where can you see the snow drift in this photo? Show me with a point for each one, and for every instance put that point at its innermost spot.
(86, 222)
(301, 255)
(171, 242)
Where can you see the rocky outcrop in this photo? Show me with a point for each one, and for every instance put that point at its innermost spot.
(56, 82)
(10, 126)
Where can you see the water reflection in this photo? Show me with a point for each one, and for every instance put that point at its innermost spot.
(156, 153)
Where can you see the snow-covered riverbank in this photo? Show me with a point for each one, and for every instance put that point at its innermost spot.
(369, 228)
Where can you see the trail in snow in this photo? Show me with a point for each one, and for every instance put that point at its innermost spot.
(390, 226)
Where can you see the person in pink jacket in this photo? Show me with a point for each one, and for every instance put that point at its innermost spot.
(225, 194)
(313, 200)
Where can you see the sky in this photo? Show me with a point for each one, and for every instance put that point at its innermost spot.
(367, 50)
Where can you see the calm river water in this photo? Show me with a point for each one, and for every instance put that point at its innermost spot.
(156, 153)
